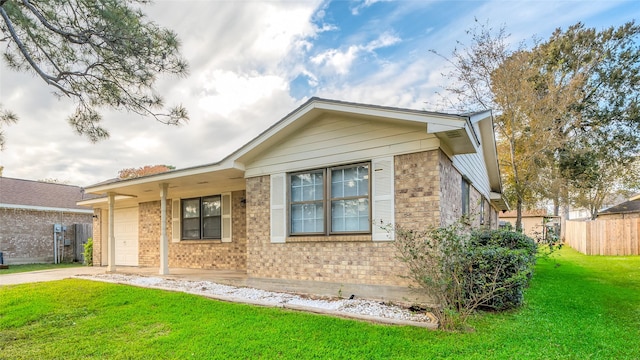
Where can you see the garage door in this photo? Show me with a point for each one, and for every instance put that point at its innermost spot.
(125, 230)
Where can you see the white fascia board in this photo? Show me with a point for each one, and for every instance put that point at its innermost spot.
(415, 116)
(489, 149)
(45, 208)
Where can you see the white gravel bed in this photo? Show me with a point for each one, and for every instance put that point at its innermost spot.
(354, 308)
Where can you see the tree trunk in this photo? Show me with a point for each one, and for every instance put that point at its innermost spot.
(519, 215)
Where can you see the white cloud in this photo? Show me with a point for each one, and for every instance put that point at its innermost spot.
(365, 4)
(242, 55)
(226, 91)
(341, 61)
(385, 39)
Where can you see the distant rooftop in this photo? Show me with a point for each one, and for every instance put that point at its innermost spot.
(625, 207)
(38, 193)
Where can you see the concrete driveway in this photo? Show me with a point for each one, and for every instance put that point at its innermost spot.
(48, 275)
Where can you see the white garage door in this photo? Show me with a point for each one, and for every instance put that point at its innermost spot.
(125, 230)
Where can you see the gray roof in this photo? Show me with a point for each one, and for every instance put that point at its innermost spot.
(625, 207)
(42, 194)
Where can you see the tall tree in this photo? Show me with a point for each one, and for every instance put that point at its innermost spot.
(100, 53)
(573, 95)
(477, 84)
(598, 133)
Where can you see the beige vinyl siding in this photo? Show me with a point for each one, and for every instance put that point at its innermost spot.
(338, 140)
(472, 166)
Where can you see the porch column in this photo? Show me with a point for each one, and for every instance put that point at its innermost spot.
(111, 246)
(164, 242)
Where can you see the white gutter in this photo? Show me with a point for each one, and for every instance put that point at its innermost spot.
(45, 208)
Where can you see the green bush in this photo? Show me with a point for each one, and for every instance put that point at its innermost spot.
(463, 271)
(504, 260)
(88, 252)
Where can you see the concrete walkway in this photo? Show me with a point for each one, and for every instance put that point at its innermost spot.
(48, 275)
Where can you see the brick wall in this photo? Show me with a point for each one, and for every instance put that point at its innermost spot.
(26, 236)
(450, 190)
(330, 261)
(201, 254)
(451, 195)
(417, 190)
(417, 197)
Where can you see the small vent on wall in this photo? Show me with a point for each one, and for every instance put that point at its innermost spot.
(451, 134)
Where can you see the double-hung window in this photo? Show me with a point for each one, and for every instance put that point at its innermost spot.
(334, 200)
(202, 218)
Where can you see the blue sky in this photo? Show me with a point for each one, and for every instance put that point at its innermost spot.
(252, 62)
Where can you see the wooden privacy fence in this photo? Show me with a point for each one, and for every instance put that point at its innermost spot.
(604, 237)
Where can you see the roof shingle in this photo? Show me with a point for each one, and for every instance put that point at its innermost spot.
(36, 193)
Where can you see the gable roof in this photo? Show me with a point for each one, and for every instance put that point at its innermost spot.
(453, 130)
(456, 132)
(21, 193)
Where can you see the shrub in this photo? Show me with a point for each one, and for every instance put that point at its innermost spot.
(505, 238)
(500, 273)
(464, 271)
(502, 259)
(88, 252)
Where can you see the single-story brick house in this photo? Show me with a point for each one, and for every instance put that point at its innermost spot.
(28, 212)
(303, 200)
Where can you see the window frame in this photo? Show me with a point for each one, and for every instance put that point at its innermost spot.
(328, 199)
(200, 218)
(466, 196)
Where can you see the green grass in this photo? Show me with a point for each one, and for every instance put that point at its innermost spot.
(36, 267)
(578, 307)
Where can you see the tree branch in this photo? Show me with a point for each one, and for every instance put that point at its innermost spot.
(47, 78)
(74, 38)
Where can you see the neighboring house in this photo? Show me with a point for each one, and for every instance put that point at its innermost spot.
(305, 199)
(535, 223)
(29, 211)
(585, 214)
(627, 210)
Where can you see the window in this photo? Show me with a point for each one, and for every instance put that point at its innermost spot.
(330, 201)
(465, 196)
(202, 218)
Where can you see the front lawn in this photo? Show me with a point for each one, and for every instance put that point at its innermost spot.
(578, 307)
(36, 267)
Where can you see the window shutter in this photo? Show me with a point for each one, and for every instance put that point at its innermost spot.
(176, 232)
(278, 203)
(383, 200)
(226, 217)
